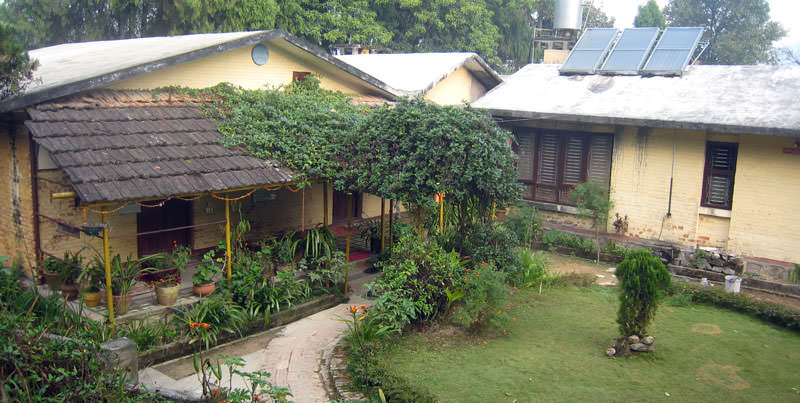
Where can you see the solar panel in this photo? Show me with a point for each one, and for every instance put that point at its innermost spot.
(673, 51)
(631, 50)
(589, 52)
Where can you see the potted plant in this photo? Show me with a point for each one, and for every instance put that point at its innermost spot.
(52, 267)
(123, 276)
(167, 288)
(203, 280)
(69, 270)
(90, 280)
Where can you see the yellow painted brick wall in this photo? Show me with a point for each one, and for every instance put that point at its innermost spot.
(640, 182)
(458, 87)
(713, 231)
(237, 67)
(16, 201)
(766, 197)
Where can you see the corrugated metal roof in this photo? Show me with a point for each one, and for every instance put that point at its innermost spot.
(129, 145)
(417, 73)
(730, 99)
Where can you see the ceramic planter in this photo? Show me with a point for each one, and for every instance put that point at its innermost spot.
(122, 303)
(53, 281)
(69, 291)
(91, 298)
(204, 289)
(167, 295)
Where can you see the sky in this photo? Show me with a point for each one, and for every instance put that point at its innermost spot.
(787, 12)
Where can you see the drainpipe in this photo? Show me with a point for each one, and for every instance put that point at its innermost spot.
(37, 238)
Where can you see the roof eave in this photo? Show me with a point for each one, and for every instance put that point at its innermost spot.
(654, 123)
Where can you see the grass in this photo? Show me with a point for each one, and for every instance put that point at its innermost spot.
(554, 351)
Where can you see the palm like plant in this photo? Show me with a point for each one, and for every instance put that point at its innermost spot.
(124, 273)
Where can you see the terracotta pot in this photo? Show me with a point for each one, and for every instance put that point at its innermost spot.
(167, 295)
(122, 303)
(204, 289)
(69, 291)
(91, 298)
(53, 281)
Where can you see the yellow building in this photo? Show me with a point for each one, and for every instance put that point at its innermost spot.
(87, 135)
(707, 159)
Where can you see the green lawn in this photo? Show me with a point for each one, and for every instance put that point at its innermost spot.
(555, 352)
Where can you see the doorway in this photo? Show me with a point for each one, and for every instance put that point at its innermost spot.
(340, 206)
(173, 214)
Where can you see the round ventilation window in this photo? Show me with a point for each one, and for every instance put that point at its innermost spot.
(260, 54)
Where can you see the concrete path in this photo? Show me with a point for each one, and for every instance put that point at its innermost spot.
(292, 354)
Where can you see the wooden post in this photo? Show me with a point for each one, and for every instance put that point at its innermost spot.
(391, 223)
(325, 204)
(383, 221)
(347, 243)
(107, 259)
(419, 220)
(303, 210)
(228, 238)
(441, 212)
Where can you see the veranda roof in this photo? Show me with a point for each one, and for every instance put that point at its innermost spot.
(133, 145)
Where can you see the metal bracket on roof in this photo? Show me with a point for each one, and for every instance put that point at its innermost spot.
(703, 46)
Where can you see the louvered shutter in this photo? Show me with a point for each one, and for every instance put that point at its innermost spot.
(526, 151)
(719, 175)
(573, 165)
(599, 165)
(547, 168)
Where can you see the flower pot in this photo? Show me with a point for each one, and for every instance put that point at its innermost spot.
(204, 289)
(121, 304)
(53, 281)
(91, 298)
(69, 291)
(167, 295)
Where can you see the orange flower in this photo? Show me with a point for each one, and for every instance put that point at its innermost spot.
(204, 325)
(476, 321)
(499, 312)
(362, 307)
(353, 309)
(193, 325)
(504, 331)
(484, 264)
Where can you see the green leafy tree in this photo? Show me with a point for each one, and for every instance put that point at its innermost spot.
(333, 21)
(739, 31)
(597, 18)
(650, 16)
(642, 278)
(440, 25)
(414, 149)
(593, 203)
(16, 68)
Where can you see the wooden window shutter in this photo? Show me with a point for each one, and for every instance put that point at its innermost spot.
(547, 167)
(720, 170)
(599, 165)
(526, 150)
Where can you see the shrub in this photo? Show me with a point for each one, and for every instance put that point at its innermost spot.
(533, 268)
(412, 286)
(642, 277)
(525, 223)
(484, 296)
(206, 320)
(488, 242)
(593, 202)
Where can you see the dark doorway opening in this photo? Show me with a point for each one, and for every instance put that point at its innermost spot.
(340, 206)
(173, 214)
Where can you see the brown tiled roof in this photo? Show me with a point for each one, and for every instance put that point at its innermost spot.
(129, 145)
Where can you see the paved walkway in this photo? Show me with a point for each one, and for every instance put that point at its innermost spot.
(292, 354)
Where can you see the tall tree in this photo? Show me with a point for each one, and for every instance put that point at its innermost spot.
(597, 18)
(440, 25)
(739, 31)
(16, 68)
(650, 16)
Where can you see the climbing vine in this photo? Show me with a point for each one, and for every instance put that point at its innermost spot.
(408, 150)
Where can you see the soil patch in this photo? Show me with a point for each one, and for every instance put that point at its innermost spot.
(723, 375)
(706, 328)
(571, 264)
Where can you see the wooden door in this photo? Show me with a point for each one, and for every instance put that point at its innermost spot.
(174, 214)
(340, 206)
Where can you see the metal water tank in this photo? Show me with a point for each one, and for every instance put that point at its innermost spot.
(569, 14)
